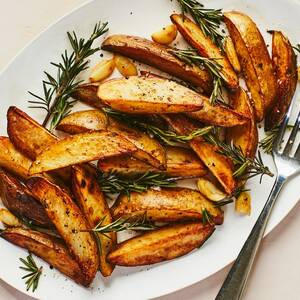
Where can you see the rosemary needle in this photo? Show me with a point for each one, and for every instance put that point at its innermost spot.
(34, 272)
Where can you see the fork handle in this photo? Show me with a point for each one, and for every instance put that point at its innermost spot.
(235, 282)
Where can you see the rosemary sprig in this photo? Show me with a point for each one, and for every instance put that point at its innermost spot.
(165, 136)
(56, 99)
(245, 167)
(190, 56)
(112, 183)
(267, 143)
(297, 48)
(122, 224)
(231, 197)
(206, 217)
(209, 20)
(34, 272)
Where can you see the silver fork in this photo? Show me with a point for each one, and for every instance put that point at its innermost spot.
(287, 166)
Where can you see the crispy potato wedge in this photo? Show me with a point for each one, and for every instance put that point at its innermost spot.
(12, 160)
(18, 199)
(69, 222)
(180, 162)
(160, 245)
(158, 56)
(93, 204)
(219, 165)
(87, 93)
(148, 149)
(218, 115)
(255, 60)
(243, 204)
(140, 94)
(7, 218)
(245, 136)
(193, 34)
(26, 134)
(166, 205)
(232, 55)
(285, 66)
(80, 148)
(83, 121)
(50, 249)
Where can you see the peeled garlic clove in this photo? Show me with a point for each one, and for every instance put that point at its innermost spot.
(125, 66)
(166, 35)
(102, 70)
(209, 190)
(7, 218)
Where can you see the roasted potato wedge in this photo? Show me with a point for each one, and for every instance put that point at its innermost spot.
(140, 94)
(285, 66)
(255, 60)
(18, 199)
(8, 219)
(232, 55)
(12, 160)
(125, 66)
(193, 34)
(245, 136)
(69, 222)
(243, 204)
(160, 245)
(80, 148)
(158, 56)
(166, 205)
(26, 134)
(148, 149)
(87, 93)
(93, 204)
(50, 249)
(180, 162)
(83, 121)
(219, 165)
(218, 115)
(102, 70)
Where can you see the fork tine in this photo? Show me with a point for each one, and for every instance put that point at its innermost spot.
(292, 137)
(282, 128)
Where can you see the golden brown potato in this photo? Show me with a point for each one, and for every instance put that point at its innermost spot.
(158, 56)
(209, 190)
(166, 205)
(87, 93)
(285, 66)
(245, 136)
(50, 249)
(160, 245)
(26, 134)
(218, 115)
(232, 55)
(255, 60)
(193, 34)
(166, 35)
(102, 70)
(18, 199)
(140, 94)
(69, 222)
(93, 204)
(12, 160)
(8, 219)
(180, 162)
(219, 165)
(243, 204)
(125, 66)
(83, 121)
(80, 148)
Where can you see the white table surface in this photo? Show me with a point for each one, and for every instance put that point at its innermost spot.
(276, 273)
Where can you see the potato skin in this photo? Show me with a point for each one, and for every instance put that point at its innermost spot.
(166, 205)
(219, 165)
(50, 249)
(246, 136)
(81, 148)
(13, 160)
(160, 245)
(205, 47)
(285, 66)
(87, 93)
(18, 199)
(147, 95)
(92, 202)
(158, 56)
(69, 222)
(241, 26)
